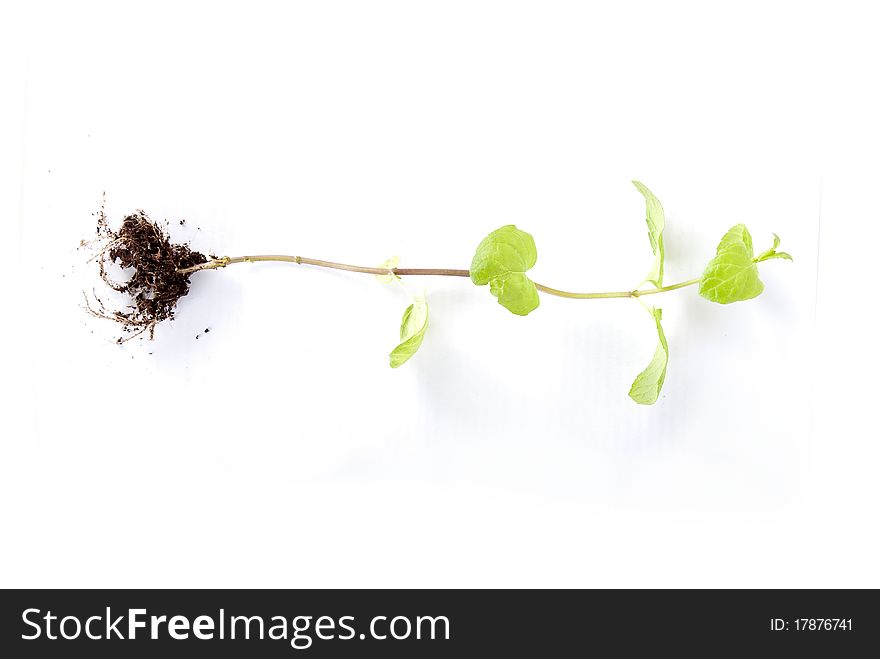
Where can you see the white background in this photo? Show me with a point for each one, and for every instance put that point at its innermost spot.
(280, 449)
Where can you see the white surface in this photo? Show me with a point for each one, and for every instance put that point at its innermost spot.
(506, 453)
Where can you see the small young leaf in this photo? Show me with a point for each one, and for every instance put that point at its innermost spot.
(732, 276)
(412, 331)
(501, 260)
(772, 253)
(656, 219)
(389, 264)
(646, 387)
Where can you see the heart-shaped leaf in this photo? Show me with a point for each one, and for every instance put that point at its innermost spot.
(732, 276)
(501, 260)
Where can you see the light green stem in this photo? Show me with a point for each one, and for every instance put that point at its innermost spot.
(611, 294)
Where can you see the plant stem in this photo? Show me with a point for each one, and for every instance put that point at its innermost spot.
(599, 296)
(302, 260)
(439, 272)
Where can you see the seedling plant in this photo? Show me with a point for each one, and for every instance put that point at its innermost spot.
(161, 271)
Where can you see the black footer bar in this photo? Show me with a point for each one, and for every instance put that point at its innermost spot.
(429, 623)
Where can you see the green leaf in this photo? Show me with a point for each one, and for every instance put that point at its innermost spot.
(501, 260)
(412, 331)
(646, 387)
(732, 276)
(772, 253)
(656, 219)
(775, 255)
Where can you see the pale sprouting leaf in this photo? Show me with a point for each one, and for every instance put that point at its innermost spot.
(389, 264)
(777, 255)
(412, 331)
(656, 219)
(501, 260)
(646, 387)
(732, 276)
(772, 253)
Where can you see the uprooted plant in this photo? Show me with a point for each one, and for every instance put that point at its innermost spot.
(161, 271)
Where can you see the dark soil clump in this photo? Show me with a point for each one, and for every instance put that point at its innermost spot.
(155, 285)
